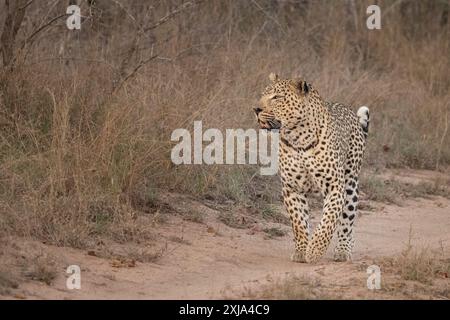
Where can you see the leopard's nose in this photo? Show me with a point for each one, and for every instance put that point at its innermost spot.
(257, 110)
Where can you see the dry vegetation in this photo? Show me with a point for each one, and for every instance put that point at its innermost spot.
(414, 273)
(291, 288)
(392, 191)
(418, 264)
(86, 116)
(25, 262)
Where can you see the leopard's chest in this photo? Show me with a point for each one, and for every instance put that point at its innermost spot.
(295, 169)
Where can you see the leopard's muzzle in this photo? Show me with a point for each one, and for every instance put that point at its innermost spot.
(266, 120)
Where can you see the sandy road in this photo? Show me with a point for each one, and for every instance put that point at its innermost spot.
(217, 261)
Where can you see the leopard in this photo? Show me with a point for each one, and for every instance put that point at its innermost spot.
(321, 149)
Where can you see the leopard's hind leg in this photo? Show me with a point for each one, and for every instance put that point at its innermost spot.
(345, 240)
(343, 251)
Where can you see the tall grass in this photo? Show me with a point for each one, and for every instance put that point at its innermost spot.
(83, 150)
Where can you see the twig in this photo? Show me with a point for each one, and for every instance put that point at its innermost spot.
(11, 26)
(444, 134)
(391, 7)
(31, 36)
(132, 73)
(141, 30)
(269, 16)
(26, 5)
(43, 27)
(120, 5)
(73, 59)
(172, 14)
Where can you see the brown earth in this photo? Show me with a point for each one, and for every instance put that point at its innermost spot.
(212, 260)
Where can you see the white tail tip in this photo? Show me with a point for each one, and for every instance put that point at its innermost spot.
(363, 115)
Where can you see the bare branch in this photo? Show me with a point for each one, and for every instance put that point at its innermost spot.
(26, 5)
(133, 72)
(14, 18)
(31, 36)
(172, 14)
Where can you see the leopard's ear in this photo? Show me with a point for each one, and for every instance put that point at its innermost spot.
(273, 77)
(301, 87)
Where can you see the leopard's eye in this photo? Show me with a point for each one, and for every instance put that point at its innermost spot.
(277, 96)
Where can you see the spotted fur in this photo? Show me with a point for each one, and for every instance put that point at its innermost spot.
(321, 150)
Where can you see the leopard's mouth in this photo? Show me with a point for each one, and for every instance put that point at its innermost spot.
(272, 124)
(266, 120)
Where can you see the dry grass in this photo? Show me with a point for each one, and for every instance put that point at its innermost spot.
(291, 287)
(380, 189)
(234, 220)
(413, 274)
(416, 273)
(194, 216)
(180, 240)
(7, 282)
(84, 153)
(274, 232)
(126, 255)
(274, 213)
(146, 255)
(422, 265)
(41, 267)
(25, 260)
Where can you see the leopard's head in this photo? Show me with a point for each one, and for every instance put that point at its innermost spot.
(282, 102)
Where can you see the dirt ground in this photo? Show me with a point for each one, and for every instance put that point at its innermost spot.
(212, 260)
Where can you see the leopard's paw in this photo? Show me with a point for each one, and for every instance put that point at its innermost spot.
(342, 256)
(298, 256)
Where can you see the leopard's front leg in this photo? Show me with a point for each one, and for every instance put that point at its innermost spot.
(297, 206)
(331, 183)
(323, 233)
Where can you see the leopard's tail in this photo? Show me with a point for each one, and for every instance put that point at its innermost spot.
(364, 119)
